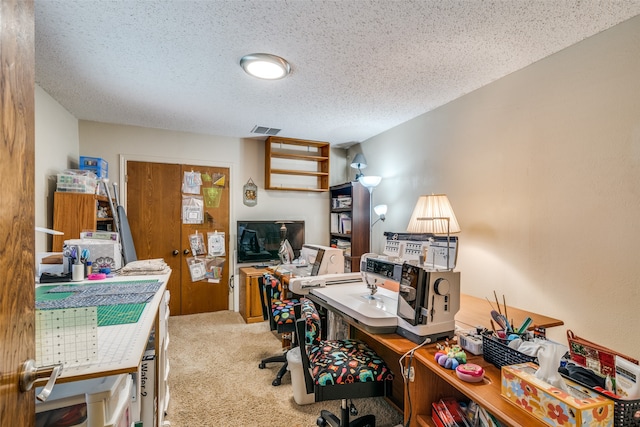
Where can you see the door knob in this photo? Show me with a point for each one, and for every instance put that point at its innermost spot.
(186, 252)
(175, 252)
(30, 373)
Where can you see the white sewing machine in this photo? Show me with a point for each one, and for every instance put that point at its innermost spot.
(315, 260)
(387, 297)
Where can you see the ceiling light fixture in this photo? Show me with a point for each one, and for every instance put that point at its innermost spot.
(265, 66)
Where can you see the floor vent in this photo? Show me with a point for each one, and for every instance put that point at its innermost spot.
(265, 130)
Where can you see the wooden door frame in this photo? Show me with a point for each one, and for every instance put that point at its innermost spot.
(17, 215)
(234, 300)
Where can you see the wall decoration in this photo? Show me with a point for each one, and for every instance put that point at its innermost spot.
(250, 193)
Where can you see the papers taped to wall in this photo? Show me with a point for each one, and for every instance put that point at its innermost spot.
(192, 209)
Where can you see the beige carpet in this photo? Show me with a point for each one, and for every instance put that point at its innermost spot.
(214, 379)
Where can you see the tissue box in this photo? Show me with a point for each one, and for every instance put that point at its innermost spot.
(102, 253)
(555, 407)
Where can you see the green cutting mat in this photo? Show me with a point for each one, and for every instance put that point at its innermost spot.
(108, 315)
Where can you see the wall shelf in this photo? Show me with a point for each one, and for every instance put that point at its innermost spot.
(296, 164)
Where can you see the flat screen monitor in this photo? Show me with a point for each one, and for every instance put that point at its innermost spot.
(259, 241)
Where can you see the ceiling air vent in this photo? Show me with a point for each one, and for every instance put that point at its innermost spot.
(265, 130)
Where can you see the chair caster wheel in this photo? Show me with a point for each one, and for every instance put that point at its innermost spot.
(276, 382)
(320, 422)
(262, 365)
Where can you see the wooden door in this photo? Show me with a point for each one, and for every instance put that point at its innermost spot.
(203, 295)
(17, 209)
(154, 210)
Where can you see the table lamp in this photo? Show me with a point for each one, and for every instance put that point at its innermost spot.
(359, 162)
(433, 214)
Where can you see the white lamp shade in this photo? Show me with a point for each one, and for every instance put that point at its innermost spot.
(370, 181)
(433, 214)
(380, 210)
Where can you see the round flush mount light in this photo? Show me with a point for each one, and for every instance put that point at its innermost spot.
(265, 66)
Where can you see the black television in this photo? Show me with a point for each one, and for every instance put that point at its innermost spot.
(259, 241)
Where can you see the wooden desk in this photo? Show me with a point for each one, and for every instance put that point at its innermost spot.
(433, 382)
(475, 311)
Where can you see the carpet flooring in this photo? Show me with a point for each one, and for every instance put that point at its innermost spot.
(214, 379)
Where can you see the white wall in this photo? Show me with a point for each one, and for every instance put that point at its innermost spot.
(542, 168)
(244, 157)
(56, 149)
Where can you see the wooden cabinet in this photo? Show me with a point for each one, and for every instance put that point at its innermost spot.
(296, 164)
(74, 213)
(250, 303)
(350, 218)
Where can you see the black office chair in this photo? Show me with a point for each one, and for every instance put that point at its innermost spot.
(279, 311)
(338, 369)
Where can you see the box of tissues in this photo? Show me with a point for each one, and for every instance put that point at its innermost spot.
(575, 406)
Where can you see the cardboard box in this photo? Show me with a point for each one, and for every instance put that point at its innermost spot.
(555, 407)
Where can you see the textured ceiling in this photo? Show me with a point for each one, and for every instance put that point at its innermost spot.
(359, 67)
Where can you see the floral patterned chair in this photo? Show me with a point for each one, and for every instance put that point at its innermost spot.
(279, 311)
(338, 369)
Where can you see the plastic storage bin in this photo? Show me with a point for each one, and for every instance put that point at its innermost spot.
(107, 401)
(96, 165)
(77, 182)
(294, 365)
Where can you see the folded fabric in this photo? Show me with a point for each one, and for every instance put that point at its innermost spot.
(145, 267)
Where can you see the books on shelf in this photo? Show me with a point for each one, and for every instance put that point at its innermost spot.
(343, 244)
(335, 222)
(340, 202)
(345, 224)
(341, 223)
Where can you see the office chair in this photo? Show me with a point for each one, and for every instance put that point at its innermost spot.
(279, 311)
(338, 369)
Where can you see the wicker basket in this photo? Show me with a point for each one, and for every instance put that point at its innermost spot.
(497, 352)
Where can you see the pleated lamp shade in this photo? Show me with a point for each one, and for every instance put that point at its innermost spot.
(430, 216)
